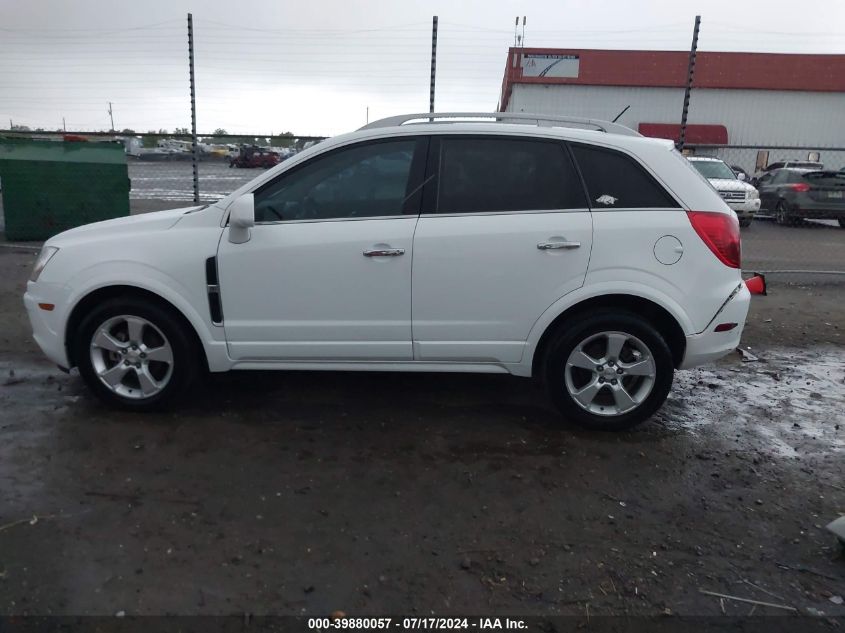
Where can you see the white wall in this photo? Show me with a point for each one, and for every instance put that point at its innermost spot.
(752, 117)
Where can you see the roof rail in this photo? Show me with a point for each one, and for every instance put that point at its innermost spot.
(502, 117)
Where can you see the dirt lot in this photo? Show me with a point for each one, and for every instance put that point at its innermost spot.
(399, 493)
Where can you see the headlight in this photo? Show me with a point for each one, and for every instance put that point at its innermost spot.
(46, 255)
(752, 194)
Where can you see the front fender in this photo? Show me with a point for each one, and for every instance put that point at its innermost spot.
(145, 277)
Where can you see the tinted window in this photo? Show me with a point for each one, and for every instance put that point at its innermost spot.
(501, 174)
(780, 176)
(362, 181)
(615, 180)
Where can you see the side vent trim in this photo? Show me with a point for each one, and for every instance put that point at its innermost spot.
(215, 307)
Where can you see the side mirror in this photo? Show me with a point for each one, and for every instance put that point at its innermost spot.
(740, 176)
(241, 218)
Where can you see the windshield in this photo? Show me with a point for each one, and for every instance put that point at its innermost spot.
(714, 169)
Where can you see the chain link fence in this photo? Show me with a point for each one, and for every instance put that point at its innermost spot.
(800, 249)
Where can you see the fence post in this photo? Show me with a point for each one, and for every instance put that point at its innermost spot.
(690, 73)
(433, 63)
(194, 148)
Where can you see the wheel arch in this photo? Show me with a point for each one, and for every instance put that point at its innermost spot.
(96, 296)
(660, 317)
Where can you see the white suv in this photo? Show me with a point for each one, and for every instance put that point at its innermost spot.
(596, 260)
(742, 197)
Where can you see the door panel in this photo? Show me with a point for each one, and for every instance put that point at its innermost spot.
(305, 290)
(326, 273)
(505, 233)
(480, 281)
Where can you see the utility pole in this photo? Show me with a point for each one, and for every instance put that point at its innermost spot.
(111, 116)
(368, 114)
(194, 147)
(433, 63)
(64, 127)
(690, 74)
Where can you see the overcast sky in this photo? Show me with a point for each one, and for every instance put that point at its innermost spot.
(314, 67)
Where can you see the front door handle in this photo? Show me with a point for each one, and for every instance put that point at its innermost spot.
(548, 246)
(384, 252)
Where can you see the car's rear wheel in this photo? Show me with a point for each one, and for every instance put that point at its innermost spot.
(608, 371)
(135, 354)
(783, 214)
(745, 223)
(842, 222)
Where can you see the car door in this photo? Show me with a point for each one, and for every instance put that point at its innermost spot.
(767, 185)
(505, 232)
(326, 273)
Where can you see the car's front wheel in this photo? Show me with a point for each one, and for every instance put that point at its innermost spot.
(135, 354)
(608, 371)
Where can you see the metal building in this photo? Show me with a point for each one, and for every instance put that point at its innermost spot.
(754, 100)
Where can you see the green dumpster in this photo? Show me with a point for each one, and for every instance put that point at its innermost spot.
(51, 186)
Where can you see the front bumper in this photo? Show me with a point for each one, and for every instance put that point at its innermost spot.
(746, 209)
(48, 326)
(708, 346)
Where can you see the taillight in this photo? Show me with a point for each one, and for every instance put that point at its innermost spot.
(799, 186)
(720, 231)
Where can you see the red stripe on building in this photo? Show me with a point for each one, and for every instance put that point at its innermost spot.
(697, 134)
(668, 69)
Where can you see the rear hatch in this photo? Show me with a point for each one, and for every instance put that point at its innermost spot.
(826, 186)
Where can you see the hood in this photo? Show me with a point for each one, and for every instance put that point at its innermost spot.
(728, 184)
(144, 222)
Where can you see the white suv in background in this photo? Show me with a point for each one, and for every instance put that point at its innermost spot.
(742, 197)
(595, 260)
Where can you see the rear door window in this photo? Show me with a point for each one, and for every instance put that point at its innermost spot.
(495, 174)
(783, 176)
(616, 181)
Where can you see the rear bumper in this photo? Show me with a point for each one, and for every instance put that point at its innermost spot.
(817, 210)
(708, 346)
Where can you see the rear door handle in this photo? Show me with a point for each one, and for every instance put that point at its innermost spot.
(548, 246)
(384, 252)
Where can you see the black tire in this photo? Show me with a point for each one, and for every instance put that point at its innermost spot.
(572, 334)
(186, 357)
(842, 222)
(783, 215)
(745, 223)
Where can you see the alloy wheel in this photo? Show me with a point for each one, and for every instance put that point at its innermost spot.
(610, 373)
(131, 357)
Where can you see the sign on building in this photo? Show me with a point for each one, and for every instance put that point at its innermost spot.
(539, 65)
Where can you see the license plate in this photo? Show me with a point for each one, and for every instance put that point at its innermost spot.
(835, 194)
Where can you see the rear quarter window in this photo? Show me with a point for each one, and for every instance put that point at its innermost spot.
(616, 181)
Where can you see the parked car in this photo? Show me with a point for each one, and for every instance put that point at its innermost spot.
(793, 195)
(255, 157)
(597, 261)
(786, 164)
(742, 197)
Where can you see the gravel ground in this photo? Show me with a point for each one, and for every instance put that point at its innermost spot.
(297, 493)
